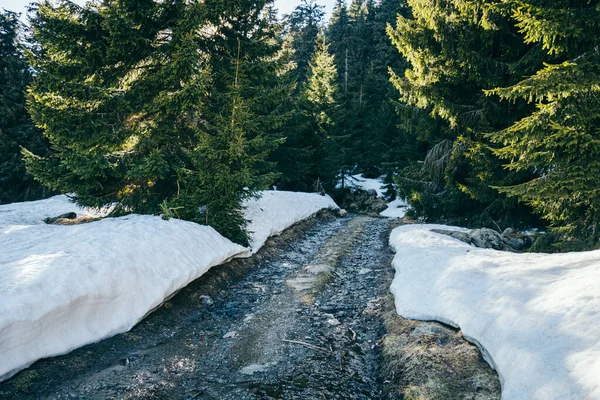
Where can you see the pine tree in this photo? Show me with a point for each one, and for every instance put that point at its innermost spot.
(133, 98)
(319, 106)
(247, 110)
(303, 29)
(16, 128)
(363, 55)
(456, 50)
(558, 142)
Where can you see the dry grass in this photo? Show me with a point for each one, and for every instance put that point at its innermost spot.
(431, 361)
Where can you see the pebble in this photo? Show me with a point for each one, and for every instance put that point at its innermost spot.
(230, 335)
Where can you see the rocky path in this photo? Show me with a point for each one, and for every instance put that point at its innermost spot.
(300, 321)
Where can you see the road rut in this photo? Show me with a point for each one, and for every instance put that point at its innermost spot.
(303, 323)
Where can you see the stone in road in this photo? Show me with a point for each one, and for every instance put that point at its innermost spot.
(301, 323)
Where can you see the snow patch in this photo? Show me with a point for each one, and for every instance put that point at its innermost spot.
(34, 212)
(62, 287)
(535, 315)
(274, 212)
(396, 208)
(360, 182)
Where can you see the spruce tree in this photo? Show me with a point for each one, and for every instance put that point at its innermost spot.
(338, 35)
(16, 128)
(133, 97)
(245, 115)
(303, 26)
(359, 104)
(363, 55)
(390, 149)
(558, 142)
(456, 50)
(294, 158)
(320, 104)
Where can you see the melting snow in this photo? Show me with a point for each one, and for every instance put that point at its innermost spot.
(537, 316)
(62, 287)
(396, 208)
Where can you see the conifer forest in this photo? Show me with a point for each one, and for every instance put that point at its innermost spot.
(477, 112)
(300, 199)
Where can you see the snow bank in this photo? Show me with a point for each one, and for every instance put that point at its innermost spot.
(537, 316)
(274, 212)
(62, 287)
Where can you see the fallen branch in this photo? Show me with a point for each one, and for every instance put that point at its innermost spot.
(310, 346)
(341, 361)
(353, 334)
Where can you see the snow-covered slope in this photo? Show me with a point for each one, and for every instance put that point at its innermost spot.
(537, 316)
(396, 209)
(62, 287)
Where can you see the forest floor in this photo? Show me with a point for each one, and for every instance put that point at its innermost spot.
(305, 318)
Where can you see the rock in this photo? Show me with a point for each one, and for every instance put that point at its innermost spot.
(207, 300)
(364, 271)
(256, 368)
(342, 213)
(85, 219)
(487, 239)
(52, 220)
(362, 202)
(372, 192)
(333, 322)
(318, 269)
(518, 241)
(230, 335)
(430, 329)
(490, 239)
(508, 231)
(462, 236)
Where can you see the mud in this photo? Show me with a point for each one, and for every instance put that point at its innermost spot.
(249, 333)
(302, 319)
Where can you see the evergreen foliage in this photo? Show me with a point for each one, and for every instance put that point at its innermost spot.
(558, 143)
(303, 29)
(363, 55)
(16, 128)
(479, 112)
(318, 108)
(364, 121)
(158, 106)
(456, 50)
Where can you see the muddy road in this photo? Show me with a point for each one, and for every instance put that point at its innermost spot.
(300, 320)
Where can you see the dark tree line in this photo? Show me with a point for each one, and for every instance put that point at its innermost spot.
(478, 112)
(502, 97)
(16, 127)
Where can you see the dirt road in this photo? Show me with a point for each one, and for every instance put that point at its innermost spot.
(300, 321)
